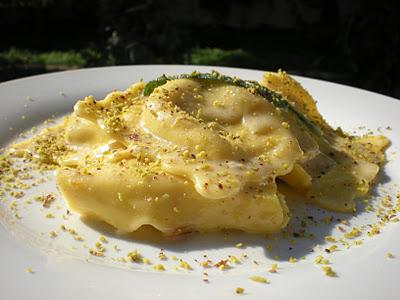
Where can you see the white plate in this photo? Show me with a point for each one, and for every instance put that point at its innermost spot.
(63, 273)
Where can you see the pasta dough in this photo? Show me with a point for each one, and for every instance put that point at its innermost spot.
(202, 155)
(345, 166)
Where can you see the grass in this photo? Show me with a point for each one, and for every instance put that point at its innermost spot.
(218, 56)
(71, 59)
(89, 57)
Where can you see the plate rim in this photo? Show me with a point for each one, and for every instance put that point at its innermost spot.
(101, 68)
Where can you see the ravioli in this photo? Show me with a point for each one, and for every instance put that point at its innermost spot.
(195, 154)
(345, 166)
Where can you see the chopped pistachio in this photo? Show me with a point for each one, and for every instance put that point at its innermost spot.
(328, 271)
(259, 279)
(239, 290)
(159, 267)
(239, 245)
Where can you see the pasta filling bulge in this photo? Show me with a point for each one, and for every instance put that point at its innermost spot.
(202, 155)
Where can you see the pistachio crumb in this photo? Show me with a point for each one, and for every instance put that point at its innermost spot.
(146, 261)
(330, 238)
(184, 265)
(239, 245)
(96, 253)
(259, 279)
(355, 232)
(273, 268)
(321, 260)
(103, 239)
(205, 263)
(389, 255)
(328, 271)
(234, 259)
(159, 267)
(134, 256)
(162, 256)
(239, 290)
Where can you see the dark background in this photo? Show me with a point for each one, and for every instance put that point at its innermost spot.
(351, 42)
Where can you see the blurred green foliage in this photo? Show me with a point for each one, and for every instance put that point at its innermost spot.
(218, 56)
(62, 59)
(89, 57)
(71, 58)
